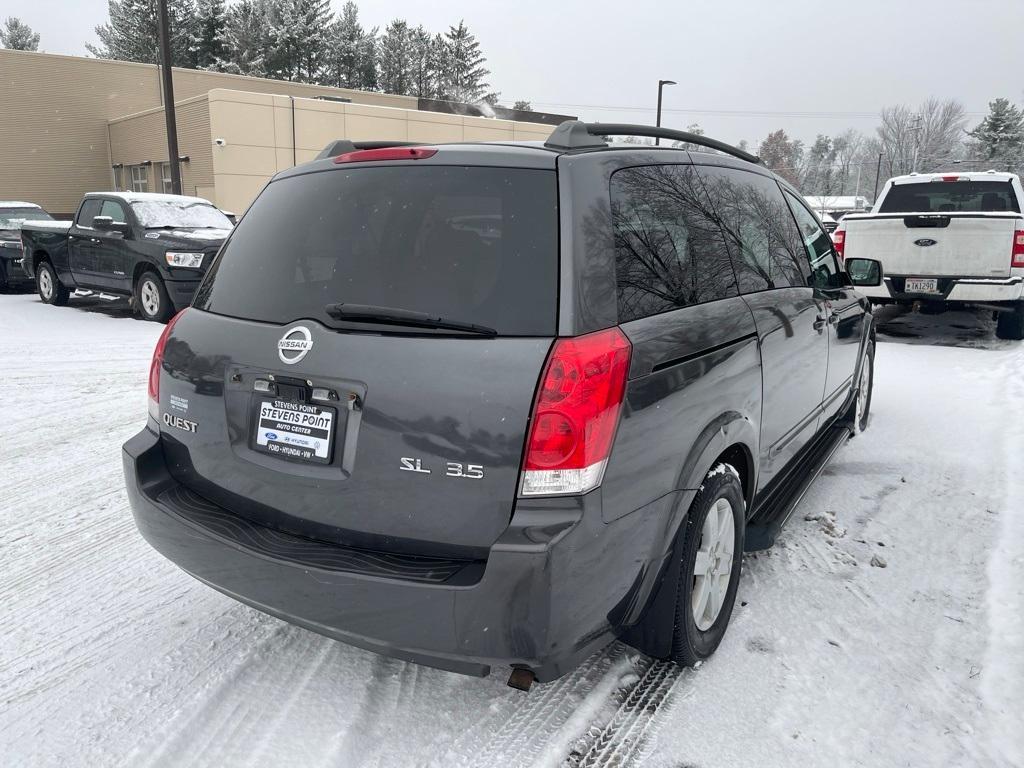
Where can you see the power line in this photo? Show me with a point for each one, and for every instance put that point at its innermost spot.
(725, 112)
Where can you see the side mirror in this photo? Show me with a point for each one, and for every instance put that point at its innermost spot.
(107, 224)
(864, 272)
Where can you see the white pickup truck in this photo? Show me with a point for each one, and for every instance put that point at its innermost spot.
(946, 239)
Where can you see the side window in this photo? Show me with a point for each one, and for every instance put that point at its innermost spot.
(113, 210)
(818, 245)
(89, 210)
(758, 227)
(669, 249)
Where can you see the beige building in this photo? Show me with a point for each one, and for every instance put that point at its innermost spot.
(73, 125)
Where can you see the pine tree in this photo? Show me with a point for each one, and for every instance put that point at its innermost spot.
(131, 33)
(1000, 136)
(523, 106)
(245, 37)
(211, 23)
(18, 36)
(394, 58)
(347, 50)
(462, 73)
(298, 36)
(422, 69)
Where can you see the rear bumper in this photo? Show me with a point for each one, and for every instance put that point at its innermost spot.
(559, 583)
(963, 290)
(11, 264)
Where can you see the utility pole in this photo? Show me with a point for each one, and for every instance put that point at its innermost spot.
(661, 84)
(878, 172)
(916, 128)
(169, 117)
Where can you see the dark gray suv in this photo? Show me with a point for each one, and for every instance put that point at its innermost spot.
(498, 404)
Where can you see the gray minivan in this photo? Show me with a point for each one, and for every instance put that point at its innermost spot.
(477, 405)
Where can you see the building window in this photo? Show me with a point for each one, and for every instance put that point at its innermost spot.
(140, 178)
(166, 185)
(119, 185)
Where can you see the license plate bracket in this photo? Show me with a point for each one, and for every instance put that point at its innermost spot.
(921, 285)
(294, 430)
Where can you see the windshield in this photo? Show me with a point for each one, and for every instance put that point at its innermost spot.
(951, 197)
(469, 244)
(187, 213)
(11, 218)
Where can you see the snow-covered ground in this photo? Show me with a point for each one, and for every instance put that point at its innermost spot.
(884, 629)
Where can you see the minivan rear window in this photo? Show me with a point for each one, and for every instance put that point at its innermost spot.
(951, 197)
(470, 244)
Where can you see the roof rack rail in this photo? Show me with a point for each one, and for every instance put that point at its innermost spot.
(574, 134)
(341, 146)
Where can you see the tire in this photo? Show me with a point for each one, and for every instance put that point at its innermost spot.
(697, 632)
(49, 287)
(1010, 325)
(151, 298)
(3, 276)
(862, 403)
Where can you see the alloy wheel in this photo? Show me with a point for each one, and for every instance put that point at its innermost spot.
(712, 568)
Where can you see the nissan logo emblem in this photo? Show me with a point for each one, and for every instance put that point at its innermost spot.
(294, 345)
(924, 242)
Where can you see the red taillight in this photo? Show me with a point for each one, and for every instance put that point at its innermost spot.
(951, 178)
(387, 153)
(1017, 254)
(839, 241)
(575, 414)
(156, 363)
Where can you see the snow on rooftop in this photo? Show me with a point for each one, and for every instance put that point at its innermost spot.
(17, 204)
(130, 197)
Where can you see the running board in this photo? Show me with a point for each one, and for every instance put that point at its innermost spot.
(83, 292)
(771, 515)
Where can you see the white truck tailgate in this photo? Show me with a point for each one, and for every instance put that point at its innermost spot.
(927, 245)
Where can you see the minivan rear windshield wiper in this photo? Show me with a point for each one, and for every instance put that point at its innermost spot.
(371, 313)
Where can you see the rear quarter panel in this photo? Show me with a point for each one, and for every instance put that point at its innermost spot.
(694, 390)
(51, 242)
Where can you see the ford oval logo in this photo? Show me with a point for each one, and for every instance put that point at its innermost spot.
(925, 242)
(294, 345)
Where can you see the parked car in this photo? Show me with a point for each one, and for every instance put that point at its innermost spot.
(153, 247)
(946, 239)
(12, 214)
(477, 405)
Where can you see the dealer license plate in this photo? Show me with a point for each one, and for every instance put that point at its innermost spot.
(921, 285)
(294, 430)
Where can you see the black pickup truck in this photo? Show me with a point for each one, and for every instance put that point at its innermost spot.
(154, 248)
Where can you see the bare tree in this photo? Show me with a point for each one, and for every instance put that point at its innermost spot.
(923, 139)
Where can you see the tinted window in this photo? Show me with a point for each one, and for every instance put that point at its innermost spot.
(113, 210)
(669, 249)
(759, 228)
(473, 244)
(950, 197)
(817, 243)
(89, 210)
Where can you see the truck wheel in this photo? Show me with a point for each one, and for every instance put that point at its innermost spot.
(710, 572)
(1010, 325)
(862, 406)
(151, 298)
(50, 289)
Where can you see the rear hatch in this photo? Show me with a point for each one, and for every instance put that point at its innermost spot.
(937, 228)
(373, 424)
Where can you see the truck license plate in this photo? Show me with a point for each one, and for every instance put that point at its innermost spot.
(921, 285)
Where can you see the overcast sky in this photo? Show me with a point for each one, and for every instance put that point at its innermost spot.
(744, 67)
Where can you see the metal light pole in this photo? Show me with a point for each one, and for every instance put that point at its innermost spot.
(165, 71)
(661, 84)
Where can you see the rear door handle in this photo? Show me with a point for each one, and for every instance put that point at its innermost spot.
(833, 318)
(819, 323)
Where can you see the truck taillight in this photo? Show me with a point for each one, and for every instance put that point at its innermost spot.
(1017, 255)
(839, 241)
(157, 363)
(575, 414)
